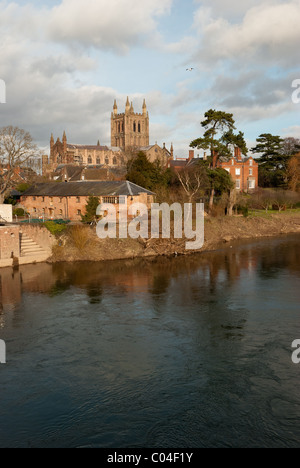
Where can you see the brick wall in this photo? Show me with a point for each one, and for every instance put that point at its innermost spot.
(9, 242)
(68, 207)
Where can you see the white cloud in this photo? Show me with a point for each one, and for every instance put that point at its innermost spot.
(267, 34)
(109, 25)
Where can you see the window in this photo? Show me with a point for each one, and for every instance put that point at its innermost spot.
(139, 127)
(238, 184)
(79, 212)
(34, 210)
(107, 160)
(90, 161)
(238, 172)
(98, 161)
(232, 162)
(61, 212)
(251, 162)
(251, 184)
(77, 199)
(134, 127)
(250, 172)
(111, 200)
(115, 162)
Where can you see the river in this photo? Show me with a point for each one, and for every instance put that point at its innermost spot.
(186, 352)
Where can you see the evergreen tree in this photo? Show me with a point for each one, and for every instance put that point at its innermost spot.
(90, 211)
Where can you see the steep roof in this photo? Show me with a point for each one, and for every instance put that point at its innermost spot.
(88, 147)
(85, 189)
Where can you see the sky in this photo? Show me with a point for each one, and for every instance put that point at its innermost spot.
(64, 62)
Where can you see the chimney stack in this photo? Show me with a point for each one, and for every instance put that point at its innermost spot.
(237, 153)
(191, 155)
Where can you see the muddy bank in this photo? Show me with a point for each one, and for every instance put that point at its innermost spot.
(85, 245)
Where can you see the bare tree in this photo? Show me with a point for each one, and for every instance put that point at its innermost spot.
(262, 199)
(194, 181)
(16, 149)
(294, 173)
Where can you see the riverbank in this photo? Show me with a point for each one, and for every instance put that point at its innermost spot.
(84, 245)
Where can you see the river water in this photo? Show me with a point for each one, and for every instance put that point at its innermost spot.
(185, 352)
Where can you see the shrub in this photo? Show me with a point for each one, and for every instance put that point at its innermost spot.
(55, 228)
(19, 212)
(79, 236)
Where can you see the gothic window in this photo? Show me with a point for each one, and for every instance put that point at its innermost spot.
(98, 161)
(134, 127)
(90, 161)
(115, 161)
(122, 126)
(139, 127)
(119, 127)
(107, 160)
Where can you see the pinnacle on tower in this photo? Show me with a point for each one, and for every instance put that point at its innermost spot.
(144, 107)
(64, 136)
(115, 107)
(52, 139)
(98, 143)
(127, 107)
(131, 108)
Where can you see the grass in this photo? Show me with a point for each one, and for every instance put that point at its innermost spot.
(264, 214)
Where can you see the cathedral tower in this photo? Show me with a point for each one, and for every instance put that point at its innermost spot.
(129, 129)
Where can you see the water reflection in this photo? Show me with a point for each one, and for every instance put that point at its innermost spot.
(182, 352)
(206, 273)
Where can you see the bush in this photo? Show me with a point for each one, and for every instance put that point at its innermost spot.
(55, 228)
(79, 236)
(19, 212)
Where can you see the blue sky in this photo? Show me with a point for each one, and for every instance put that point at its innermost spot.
(65, 61)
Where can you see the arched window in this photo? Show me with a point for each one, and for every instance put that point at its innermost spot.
(119, 127)
(139, 127)
(115, 162)
(107, 160)
(90, 161)
(98, 161)
(134, 127)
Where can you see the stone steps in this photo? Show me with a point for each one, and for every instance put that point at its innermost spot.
(29, 248)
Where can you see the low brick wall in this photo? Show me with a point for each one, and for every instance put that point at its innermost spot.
(9, 242)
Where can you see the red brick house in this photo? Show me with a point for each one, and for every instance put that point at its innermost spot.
(69, 200)
(244, 171)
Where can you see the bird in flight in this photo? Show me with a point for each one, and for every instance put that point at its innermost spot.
(189, 69)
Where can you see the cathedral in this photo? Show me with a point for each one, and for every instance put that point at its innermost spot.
(129, 135)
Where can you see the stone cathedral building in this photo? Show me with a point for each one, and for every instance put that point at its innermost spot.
(129, 134)
(129, 129)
